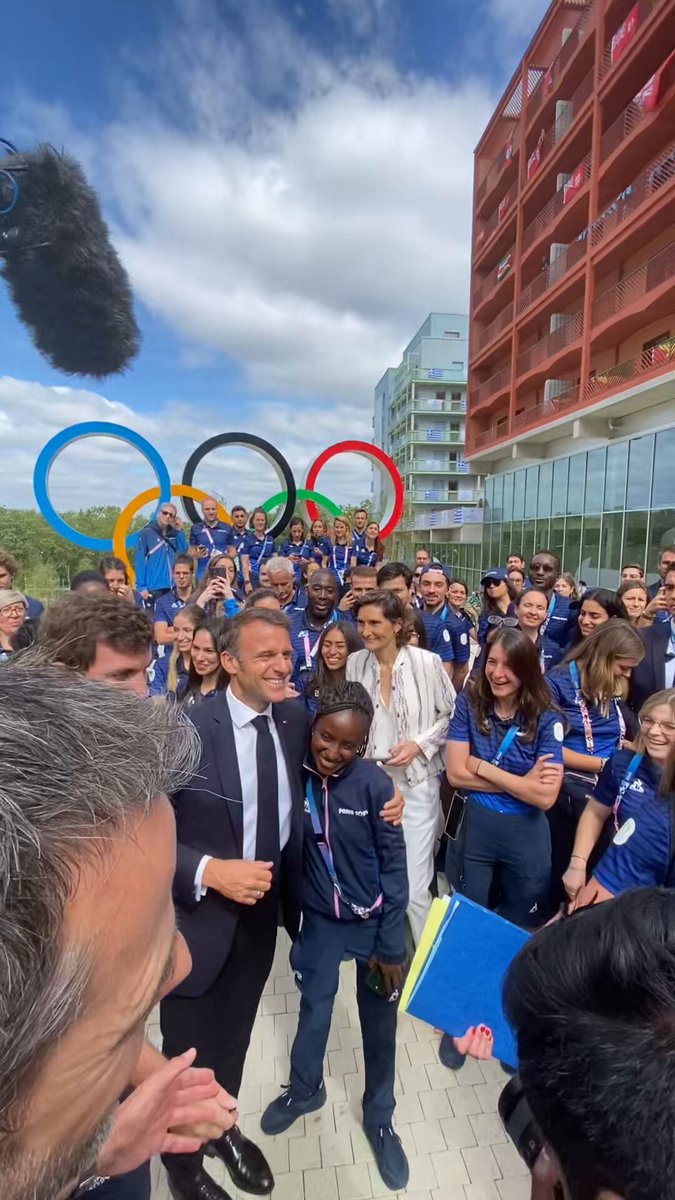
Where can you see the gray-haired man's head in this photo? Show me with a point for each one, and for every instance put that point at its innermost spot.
(87, 927)
(281, 574)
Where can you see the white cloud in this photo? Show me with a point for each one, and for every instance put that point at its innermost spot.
(105, 471)
(519, 18)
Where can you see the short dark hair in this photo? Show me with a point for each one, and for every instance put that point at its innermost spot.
(345, 697)
(260, 594)
(231, 633)
(633, 567)
(550, 554)
(591, 1000)
(413, 624)
(184, 560)
(110, 563)
(9, 562)
(360, 510)
(394, 570)
(364, 572)
(74, 625)
(391, 608)
(83, 577)
(666, 550)
(237, 508)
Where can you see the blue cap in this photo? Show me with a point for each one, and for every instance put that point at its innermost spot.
(497, 573)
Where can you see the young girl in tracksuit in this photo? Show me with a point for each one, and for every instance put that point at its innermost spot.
(354, 903)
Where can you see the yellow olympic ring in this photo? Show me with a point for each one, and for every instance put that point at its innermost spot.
(127, 515)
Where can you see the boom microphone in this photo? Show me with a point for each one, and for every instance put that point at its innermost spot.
(65, 279)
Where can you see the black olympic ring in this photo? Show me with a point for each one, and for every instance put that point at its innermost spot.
(269, 452)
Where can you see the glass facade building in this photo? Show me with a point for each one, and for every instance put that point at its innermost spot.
(596, 509)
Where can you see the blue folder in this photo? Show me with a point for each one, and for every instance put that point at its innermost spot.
(461, 982)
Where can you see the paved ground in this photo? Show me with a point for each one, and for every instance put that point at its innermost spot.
(448, 1122)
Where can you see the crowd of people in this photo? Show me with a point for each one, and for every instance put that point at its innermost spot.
(339, 735)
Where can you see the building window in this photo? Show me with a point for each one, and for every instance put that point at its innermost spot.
(615, 479)
(662, 487)
(531, 485)
(508, 497)
(456, 396)
(595, 487)
(662, 337)
(559, 505)
(440, 395)
(576, 483)
(639, 489)
(545, 486)
(460, 365)
(518, 495)
(450, 333)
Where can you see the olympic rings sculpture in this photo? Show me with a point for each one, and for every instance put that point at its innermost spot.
(289, 495)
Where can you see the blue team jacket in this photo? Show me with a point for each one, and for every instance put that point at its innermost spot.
(156, 553)
(368, 854)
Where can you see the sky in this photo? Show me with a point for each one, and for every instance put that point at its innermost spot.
(288, 184)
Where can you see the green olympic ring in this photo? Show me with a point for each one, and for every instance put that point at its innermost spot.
(303, 494)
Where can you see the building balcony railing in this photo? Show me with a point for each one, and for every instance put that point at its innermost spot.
(545, 410)
(557, 132)
(622, 37)
(434, 437)
(565, 335)
(650, 181)
(493, 330)
(494, 433)
(488, 287)
(499, 382)
(662, 355)
(641, 108)
(431, 466)
(506, 156)
(649, 276)
(564, 262)
(550, 79)
(429, 404)
(446, 518)
(565, 196)
(416, 374)
(487, 229)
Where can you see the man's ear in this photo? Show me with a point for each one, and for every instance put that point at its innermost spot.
(228, 663)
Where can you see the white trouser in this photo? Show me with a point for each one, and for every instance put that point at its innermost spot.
(420, 827)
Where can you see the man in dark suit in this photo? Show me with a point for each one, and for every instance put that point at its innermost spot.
(657, 669)
(239, 830)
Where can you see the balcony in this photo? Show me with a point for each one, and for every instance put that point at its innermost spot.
(493, 434)
(626, 33)
(564, 199)
(494, 329)
(649, 286)
(431, 405)
(446, 518)
(639, 129)
(550, 80)
(633, 370)
(545, 410)
(504, 161)
(490, 388)
(432, 466)
(647, 184)
(552, 345)
(557, 132)
(561, 266)
(486, 230)
(434, 437)
(423, 495)
(486, 291)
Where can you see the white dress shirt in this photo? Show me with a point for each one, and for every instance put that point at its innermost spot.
(245, 741)
(670, 662)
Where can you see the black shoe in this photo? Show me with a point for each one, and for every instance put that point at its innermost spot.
(449, 1055)
(195, 1184)
(244, 1160)
(390, 1156)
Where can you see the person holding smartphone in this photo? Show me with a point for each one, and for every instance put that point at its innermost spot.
(355, 894)
(216, 594)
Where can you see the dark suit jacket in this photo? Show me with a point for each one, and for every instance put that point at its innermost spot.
(650, 675)
(209, 820)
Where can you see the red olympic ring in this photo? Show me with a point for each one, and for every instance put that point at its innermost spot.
(395, 492)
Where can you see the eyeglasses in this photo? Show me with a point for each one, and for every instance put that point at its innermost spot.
(14, 610)
(493, 582)
(510, 622)
(168, 512)
(667, 727)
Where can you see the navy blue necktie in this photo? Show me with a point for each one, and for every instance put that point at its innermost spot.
(267, 847)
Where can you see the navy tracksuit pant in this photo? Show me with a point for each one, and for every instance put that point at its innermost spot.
(315, 959)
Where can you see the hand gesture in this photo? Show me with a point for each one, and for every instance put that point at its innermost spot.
(238, 879)
(174, 1095)
(658, 604)
(347, 602)
(392, 813)
(573, 880)
(393, 974)
(544, 771)
(402, 754)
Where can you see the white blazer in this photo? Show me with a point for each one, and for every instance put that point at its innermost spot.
(423, 700)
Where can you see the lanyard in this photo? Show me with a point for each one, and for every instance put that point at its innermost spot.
(585, 715)
(262, 551)
(209, 535)
(323, 843)
(311, 651)
(551, 606)
(628, 778)
(509, 737)
(346, 551)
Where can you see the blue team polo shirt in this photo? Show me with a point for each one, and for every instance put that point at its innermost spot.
(339, 559)
(289, 548)
(519, 758)
(215, 538)
(167, 606)
(641, 852)
(561, 620)
(318, 549)
(606, 730)
(455, 631)
(439, 638)
(258, 550)
(304, 641)
(484, 626)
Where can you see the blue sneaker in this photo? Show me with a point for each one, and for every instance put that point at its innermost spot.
(390, 1156)
(449, 1055)
(282, 1112)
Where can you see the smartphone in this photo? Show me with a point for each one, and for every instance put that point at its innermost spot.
(456, 815)
(380, 758)
(375, 981)
(219, 573)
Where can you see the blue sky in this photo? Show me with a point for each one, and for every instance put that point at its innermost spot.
(289, 187)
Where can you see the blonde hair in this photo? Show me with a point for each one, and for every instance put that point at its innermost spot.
(195, 615)
(596, 655)
(345, 521)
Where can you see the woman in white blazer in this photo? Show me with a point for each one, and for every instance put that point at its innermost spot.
(413, 701)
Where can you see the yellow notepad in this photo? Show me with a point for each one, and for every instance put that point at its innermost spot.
(437, 912)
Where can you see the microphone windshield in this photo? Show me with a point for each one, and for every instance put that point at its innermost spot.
(65, 278)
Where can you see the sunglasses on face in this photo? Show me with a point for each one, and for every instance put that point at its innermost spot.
(510, 622)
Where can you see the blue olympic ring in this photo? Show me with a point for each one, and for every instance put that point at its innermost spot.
(74, 433)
